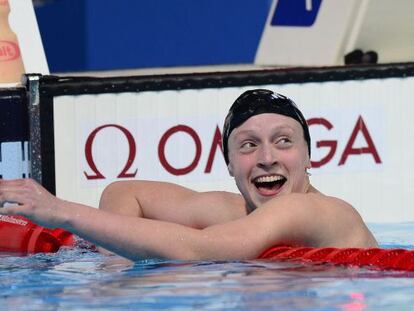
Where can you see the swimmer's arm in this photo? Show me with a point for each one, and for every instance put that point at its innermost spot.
(137, 238)
(131, 237)
(288, 220)
(170, 202)
(140, 238)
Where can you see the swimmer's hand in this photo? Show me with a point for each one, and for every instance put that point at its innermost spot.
(31, 200)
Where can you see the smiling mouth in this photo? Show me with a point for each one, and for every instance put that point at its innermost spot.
(269, 185)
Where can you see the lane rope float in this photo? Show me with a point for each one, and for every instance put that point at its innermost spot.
(20, 235)
(377, 258)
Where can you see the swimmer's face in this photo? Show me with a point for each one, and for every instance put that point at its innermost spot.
(268, 158)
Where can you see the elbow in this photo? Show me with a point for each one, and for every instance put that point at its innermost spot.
(111, 192)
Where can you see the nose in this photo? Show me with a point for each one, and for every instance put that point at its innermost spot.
(267, 156)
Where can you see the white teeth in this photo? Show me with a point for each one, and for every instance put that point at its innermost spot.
(269, 178)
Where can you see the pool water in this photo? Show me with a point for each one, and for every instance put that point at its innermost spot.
(79, 279)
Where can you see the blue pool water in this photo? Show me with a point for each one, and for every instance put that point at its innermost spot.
(78, 279)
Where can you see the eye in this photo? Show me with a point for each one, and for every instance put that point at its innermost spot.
(283, 142)
(247, 145)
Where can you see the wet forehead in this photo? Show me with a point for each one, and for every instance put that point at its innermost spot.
(268, 122)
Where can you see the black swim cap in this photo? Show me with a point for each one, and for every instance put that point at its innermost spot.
(254, 102)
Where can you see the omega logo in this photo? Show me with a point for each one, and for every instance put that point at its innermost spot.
(331, 146)
(131, 156)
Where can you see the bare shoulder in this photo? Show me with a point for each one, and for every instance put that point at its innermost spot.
(314, 202)
(322, 220)
(336, 207)
(321, 203)
(355, 232)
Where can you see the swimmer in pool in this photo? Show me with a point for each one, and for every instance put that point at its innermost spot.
(266, 146)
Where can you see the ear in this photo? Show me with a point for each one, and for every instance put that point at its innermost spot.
(230, 169)
(308, 165)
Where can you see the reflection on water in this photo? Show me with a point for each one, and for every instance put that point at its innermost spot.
(80, 279)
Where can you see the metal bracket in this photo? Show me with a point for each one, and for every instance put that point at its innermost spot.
(32, 84)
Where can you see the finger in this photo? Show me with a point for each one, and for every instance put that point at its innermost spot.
(12, 182)
(24, 184)
(13, 210)
(12, 196)
(7, 186)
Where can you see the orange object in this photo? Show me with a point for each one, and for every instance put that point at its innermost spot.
(19, 235)
(11, 62)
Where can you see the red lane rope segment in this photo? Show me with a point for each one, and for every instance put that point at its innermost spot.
(378, 258)
(20, 235)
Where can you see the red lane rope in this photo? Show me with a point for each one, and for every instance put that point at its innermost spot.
(378, 258)
(20, 235)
